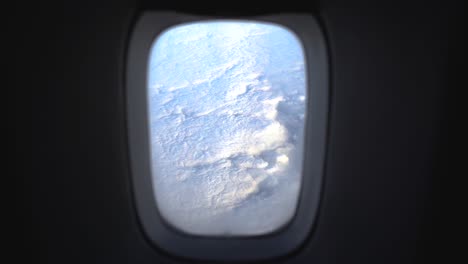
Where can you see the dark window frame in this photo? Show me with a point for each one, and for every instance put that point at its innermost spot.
(286, 239)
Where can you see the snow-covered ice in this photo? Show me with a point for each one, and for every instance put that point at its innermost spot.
(227, 110)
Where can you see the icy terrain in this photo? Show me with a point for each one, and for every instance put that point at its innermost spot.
(227, 105)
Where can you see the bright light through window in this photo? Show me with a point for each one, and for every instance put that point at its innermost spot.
(227, 104)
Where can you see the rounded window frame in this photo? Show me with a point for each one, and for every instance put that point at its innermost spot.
(148, 27)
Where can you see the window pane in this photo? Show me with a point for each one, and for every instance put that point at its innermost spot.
(227, 104)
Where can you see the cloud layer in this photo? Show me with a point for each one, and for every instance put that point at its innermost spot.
(227, 110)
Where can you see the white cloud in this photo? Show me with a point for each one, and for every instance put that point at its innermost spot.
(224, 110)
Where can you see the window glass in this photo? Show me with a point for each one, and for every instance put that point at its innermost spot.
(227, 105)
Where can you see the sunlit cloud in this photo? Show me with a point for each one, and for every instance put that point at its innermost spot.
(227, 106)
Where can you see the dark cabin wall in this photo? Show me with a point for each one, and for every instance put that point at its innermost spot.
(385, 147)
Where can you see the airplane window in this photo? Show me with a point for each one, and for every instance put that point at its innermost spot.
(227, 104)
